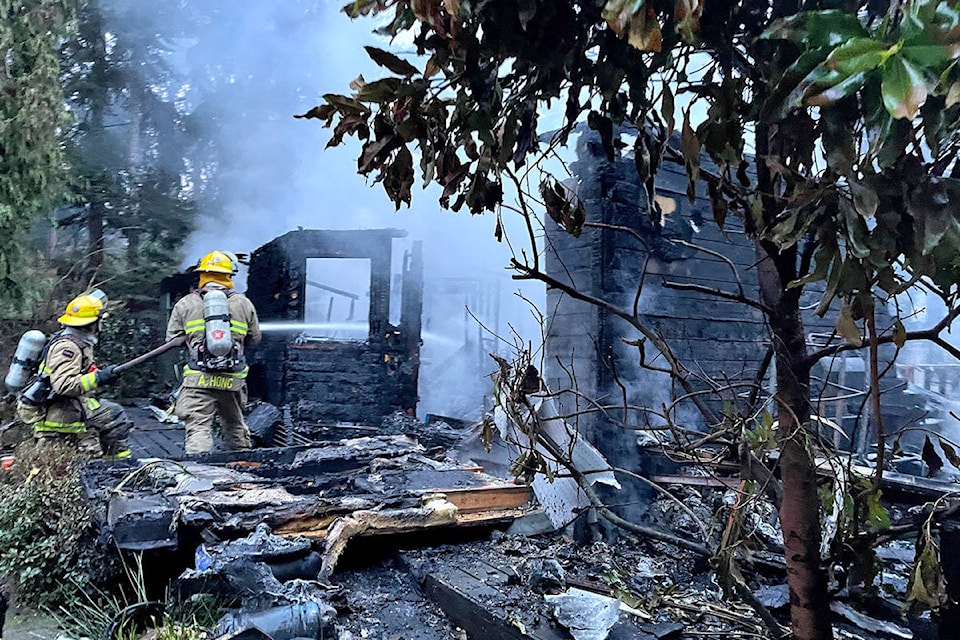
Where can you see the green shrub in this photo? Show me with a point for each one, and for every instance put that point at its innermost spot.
(46, 532)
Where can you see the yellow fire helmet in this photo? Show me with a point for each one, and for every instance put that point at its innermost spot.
(218, 262)
(85, 309)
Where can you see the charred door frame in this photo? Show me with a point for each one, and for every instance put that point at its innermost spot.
(387, 364)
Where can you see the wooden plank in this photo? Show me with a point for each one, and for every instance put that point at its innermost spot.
(487, 498)
(458, 594)
(489, 518)
(312, 527)
(315, 528)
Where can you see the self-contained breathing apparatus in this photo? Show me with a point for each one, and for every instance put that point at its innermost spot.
(218, 351)
(26, 373)
(38, 391)
(25, 360)
(24, 377)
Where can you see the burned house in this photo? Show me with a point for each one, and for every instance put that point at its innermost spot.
(719, 339)
(334, 349)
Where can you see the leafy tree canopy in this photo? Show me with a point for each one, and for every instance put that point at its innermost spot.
(862, 100)
(32, 114)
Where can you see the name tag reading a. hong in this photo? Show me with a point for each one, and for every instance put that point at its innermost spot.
(215, 382)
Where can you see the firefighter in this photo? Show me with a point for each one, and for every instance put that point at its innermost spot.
(219, 324)
(61, 402)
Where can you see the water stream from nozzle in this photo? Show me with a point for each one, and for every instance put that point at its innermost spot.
(358, 330)
(267, 327)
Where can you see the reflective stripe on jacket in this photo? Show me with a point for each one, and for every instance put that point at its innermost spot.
(68, 364)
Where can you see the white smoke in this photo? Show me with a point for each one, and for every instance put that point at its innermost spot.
(249, 67)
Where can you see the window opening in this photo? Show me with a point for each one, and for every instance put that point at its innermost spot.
(337, 299)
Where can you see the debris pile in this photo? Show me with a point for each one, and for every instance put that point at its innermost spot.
(383, 537)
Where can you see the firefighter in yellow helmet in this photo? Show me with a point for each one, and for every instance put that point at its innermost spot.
(214, 382)
(61, 402)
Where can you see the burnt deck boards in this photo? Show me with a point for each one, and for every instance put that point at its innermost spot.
(295, 490)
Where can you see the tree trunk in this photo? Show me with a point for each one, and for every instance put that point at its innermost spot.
(949, 627)
(800, 511)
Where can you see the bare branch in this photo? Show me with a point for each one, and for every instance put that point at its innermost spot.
(932, 334)
(718, 293)
(680, 373)
(715, 254)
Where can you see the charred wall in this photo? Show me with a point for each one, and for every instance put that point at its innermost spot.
(716, 338)
(720, 338)
(333, 381)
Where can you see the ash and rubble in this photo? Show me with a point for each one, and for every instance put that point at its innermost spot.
(436, 549)
(266, 514)
(259, 527)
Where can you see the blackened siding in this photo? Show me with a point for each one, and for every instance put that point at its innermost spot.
(715, 338)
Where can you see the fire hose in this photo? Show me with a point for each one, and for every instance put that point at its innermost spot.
(167, 346)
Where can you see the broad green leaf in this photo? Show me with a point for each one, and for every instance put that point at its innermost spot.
(900, 336)
(931, 57)
(893, 136)
(913, 30)
(933, 211)
(857, 232)
(857, 55)
(947, 16)
(345, 104)
(829, 91)
(865, 199)
(853, 278)
(842, 74)
(904, 88)
(816, 29)
(877, 517)
(785, 95)
(823, 258)
(358, 8)
(378, 91)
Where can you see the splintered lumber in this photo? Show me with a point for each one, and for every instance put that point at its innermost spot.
(487, 499)
(436, 511)
(299, 491)
(473, 507)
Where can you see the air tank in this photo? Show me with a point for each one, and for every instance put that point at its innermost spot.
(25, 359)
(216, 315)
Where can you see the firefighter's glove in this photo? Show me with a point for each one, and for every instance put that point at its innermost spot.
(107, 375)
